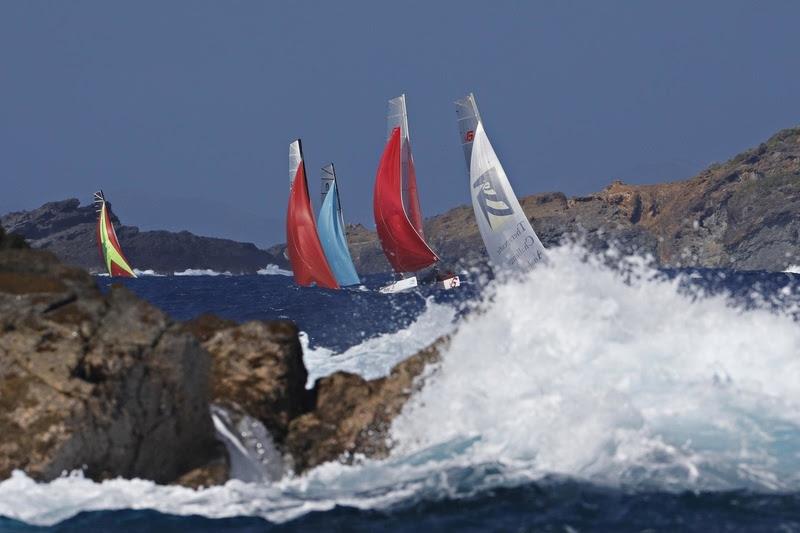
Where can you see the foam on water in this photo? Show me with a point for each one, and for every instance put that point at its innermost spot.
(148, 272)
(201, 272)
(274, 270)
(375, 357)
(573, 371)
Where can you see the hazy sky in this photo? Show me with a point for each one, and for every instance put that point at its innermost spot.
(182, 111)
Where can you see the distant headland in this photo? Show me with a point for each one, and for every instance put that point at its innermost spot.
(743, 214)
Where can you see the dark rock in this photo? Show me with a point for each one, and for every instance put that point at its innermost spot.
(106, 383)
(11, 241)
(257, 368)
(352, 415)
(69, 230)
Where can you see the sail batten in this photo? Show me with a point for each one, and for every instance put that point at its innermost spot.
(332, 231)
(309, 264)
(510, 240)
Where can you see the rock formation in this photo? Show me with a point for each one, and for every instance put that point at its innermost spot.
(742, 214)
(68, 230)
(109, 384)
(106, 383)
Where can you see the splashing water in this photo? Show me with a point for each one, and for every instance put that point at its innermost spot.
(623, 378)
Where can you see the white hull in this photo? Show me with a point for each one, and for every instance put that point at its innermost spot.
(399, 286)
(449, 283)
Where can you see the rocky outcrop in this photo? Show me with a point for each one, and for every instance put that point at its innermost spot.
(109, 384)
(12, 241)
(106, 383)
(258, 370)
(744, 213)
(352, 415)
(68, 230)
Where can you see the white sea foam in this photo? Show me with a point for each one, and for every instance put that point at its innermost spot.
(571, 371)
(148, 272)
(376, 356)
(792, 269)
(274, 270)
(202, 272)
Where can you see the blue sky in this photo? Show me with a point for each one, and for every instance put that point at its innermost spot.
(182, 111)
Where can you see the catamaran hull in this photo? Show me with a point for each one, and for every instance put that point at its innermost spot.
(404, 284)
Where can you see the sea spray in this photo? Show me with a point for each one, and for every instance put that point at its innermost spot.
(620, 377)
(579, 371)
(376, 356)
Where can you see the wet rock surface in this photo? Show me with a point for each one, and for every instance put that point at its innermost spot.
(257, 368)
(109, 384)
(106, 383)
(353, 416)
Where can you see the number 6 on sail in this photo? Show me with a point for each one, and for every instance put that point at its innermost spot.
(507, 234)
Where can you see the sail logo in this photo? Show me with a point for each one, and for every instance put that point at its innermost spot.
(492, 199)
(469, 137)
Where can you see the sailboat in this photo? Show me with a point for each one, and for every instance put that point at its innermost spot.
(303, 247)
(398, 217)
(107, 242)
(507, 234)
(331, 231)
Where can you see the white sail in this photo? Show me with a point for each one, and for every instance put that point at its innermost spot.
(509, 238)
(468, 117)
(295, 158)
(327, 177)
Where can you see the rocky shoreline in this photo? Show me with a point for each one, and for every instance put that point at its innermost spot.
(68, 230)
(109, 384)
(743, 214)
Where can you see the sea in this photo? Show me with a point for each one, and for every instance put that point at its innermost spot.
(597, 393)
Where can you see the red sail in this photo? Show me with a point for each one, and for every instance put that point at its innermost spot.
(302, 241)
(403, 245)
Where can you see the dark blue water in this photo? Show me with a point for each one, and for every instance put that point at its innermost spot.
(342, 319)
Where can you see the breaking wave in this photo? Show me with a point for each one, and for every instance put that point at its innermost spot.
(375, 357)
(201, 272)
(617, 377)
(274, 270)
(148, 272)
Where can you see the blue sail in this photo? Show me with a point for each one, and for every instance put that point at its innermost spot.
(330, 226)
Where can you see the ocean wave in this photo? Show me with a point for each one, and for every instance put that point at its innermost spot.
(202, 272)
(148, 272)
(620, 377)
(274, 270)
(376, 356)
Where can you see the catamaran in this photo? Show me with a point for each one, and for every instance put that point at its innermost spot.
(331, 231)
(107, 242)
(303, 247)
(398, 217)
(506, 232)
